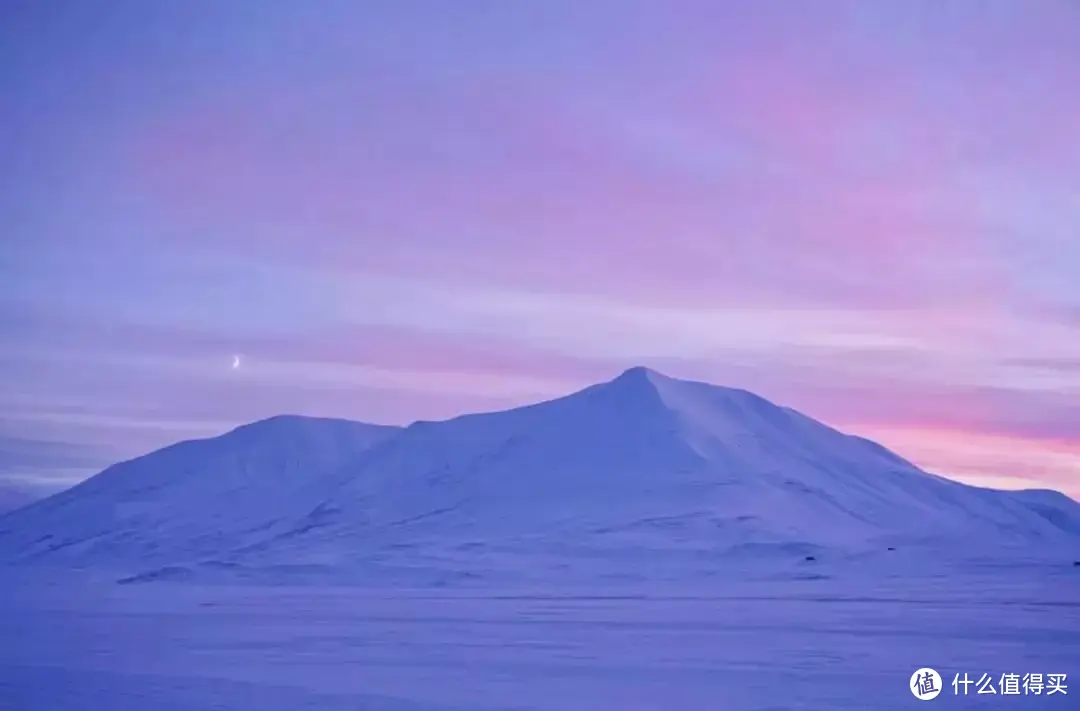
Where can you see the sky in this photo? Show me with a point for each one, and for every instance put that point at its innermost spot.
(410, 209)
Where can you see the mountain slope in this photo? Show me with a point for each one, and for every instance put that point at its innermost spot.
(643, 465)
(651, 461)
(194, 497)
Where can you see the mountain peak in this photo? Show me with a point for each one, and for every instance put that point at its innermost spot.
(292, 420)
(673, 394)
(639, 379)
(289, 425)
(638, 389)
(639, 373)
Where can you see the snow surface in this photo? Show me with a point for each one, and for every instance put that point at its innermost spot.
(646, 543)
(648, 458)
(192, 498)
(816, 645)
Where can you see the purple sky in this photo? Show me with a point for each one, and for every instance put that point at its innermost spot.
(403, 210)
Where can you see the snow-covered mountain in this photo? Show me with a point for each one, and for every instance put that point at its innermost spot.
(194, 498)
(658, 463)
(643, 463)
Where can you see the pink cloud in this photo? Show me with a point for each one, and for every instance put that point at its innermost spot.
(525, 184)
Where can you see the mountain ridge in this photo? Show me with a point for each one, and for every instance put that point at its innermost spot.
(642, 461)
(143, 500)
(686, 453)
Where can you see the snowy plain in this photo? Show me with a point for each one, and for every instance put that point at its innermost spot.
(814, 644)
(643, 544)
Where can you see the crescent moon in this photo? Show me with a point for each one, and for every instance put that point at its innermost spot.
(235, 362)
